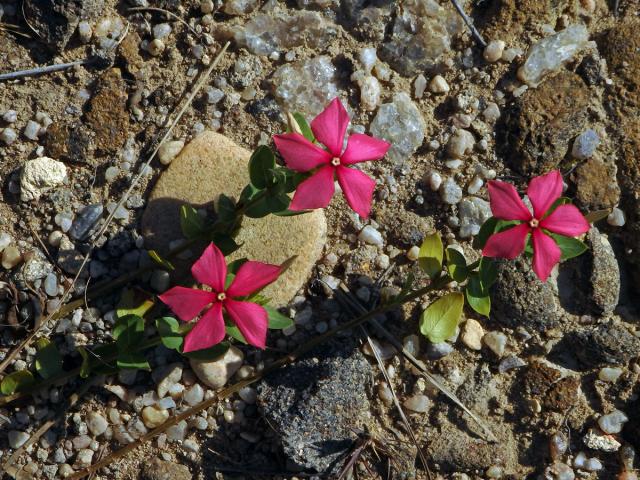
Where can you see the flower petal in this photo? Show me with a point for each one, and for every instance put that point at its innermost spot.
(209, 330)
(186, 303)
(506, 203)
(251, 319)
(299, 153)
(330, 126)
(211, 269)
(252, 276)
(566, 220)
(358, 189)
(508, 243)
(361, 148)
(543, 191)
(315, 192)
(546, 254)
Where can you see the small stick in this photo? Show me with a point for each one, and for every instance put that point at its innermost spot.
(162, 10)
(40, 70)
(467, 20)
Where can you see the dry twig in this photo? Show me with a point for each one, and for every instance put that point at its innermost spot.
(469, 22)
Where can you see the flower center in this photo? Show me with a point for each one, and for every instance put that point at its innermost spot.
(533, 223)
(222, 296)
(335, 161)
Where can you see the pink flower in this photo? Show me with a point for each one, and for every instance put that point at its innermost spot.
(210, 269)
(543, 191)
(302, 155)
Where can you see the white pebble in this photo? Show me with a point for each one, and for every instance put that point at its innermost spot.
(169, 150)
(496, 341)
(472, 334)
(438, 85)
(419, 86)
(475, 185)
(413, 253)
(10, 116)
(161, 31)
(8, 136)
(32, 130)
(368, 58)
(85, 31)
(371, 236)
(612, 422)
(493, 52)
(616, 218)
(608, 374)
(155, 47)
(418, 403)
(434, 180)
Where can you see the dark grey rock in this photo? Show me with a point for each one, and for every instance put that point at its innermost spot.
(521, 299)
(600, 345)
(56, 20)
(85, 221)
(605, 272)
(317, 403)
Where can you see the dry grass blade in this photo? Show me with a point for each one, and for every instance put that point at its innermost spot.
(353, 304)
(490, 436)
(469, 22)
(15, 29)
(396, 402)
(67, 293)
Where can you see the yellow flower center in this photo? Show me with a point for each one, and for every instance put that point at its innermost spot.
(533, 223)
(222, 296)
(335, 161)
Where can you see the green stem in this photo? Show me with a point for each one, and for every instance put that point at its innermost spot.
(185, 328)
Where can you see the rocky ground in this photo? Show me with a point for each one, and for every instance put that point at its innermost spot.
(553, 372)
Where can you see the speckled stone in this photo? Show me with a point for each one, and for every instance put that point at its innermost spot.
(270, 239)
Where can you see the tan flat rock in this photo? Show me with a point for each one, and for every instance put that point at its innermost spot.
(212, 164)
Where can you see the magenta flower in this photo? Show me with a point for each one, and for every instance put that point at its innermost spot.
(302, 155)
(543, 191)
(210, 269)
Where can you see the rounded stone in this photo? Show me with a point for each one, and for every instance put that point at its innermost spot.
(271, 239)
(217, 373)
(96, 423)
(154, 417)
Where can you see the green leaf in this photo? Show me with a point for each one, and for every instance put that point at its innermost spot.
(16, 382)
(234, 266)
(234, 332)
(486, 230)
(488, 271)
(133, 361)
(556, 204)
(277, 321)
(503, 225)
(155, 256)
(439, 321)
(430, 256)
(226, 209)
(260, 164)
(48, 358)
(134, 302)
(569, 247)
(128, 333)
(225, 243)
(169, 330)
(269, 204)
(209, 354)
(291, 213)
(304, 127)
(85, 368)
(191, 223)
(457, 265)
(478, 296)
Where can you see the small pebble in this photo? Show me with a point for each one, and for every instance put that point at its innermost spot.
(460, 144)
(96, 423)
(10, 116)
(419, 86)
(608, 374)
(472, 333)
(11, 257)
(495, 471)
(616, 218)
(154, 417)
(417, 403)
(32, 130)
(439, 350)
(434, 180)
(496, 341)
(160, 280)
(492, 113)
(8, 136)
(371, 236)
(161, 31)
(17, 438)
(450, 192)
(413, 253)
(155, 47)
(585, 145)
(206, 6)
(612, 422)
(169, 150)
(85, 31)
(475, 185)
(493, 51)
(438, 85)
